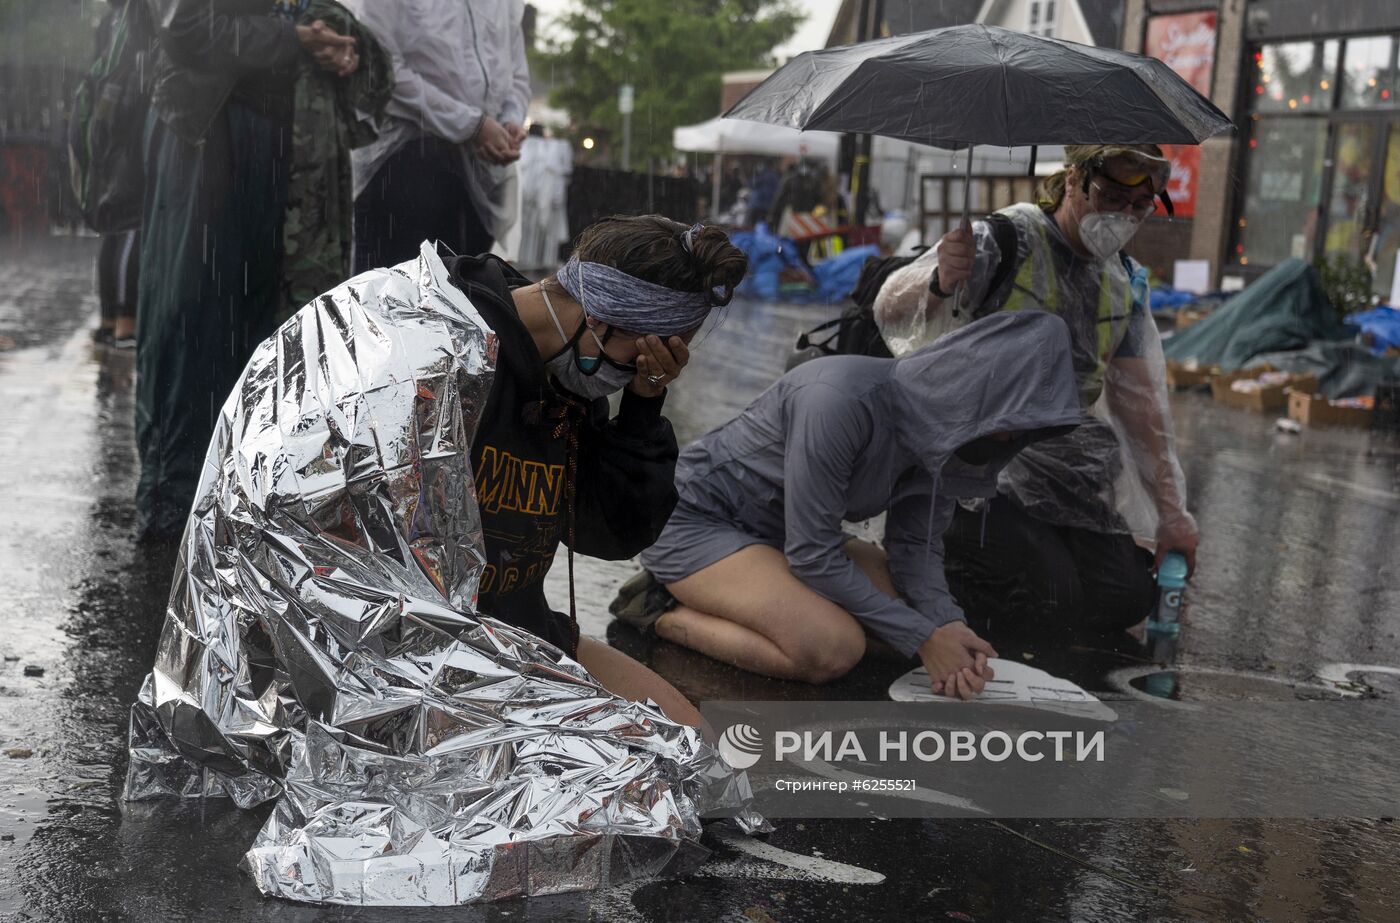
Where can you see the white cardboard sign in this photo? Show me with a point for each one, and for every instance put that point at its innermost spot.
(1014, 684)
(1192, 276)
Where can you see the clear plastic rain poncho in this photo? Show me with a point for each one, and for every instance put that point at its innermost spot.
(321, 645)
(1118, 472)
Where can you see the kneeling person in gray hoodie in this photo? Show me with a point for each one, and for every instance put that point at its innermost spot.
(755, 554)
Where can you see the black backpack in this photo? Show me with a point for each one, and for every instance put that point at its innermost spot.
(856, 332)
(108, 119)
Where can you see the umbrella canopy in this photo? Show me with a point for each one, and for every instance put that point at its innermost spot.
(728, 136)
(981, 84)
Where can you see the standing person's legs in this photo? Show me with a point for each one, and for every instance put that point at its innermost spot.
(128, 274)
(1116, 576)
(419, 193)
(177, 214)
(211, 254)
(1012, 570)
(108, 255)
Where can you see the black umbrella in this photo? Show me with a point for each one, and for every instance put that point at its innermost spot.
(977, 84)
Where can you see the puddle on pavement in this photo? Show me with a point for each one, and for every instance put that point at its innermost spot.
(1183, 685)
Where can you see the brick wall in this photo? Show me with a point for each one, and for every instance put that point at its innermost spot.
(1160, 243)
(1206, 236)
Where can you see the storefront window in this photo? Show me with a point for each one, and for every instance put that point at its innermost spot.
(1295, 77)
(1283, 192)
(1387, 240)
(1367, 79)
(1352, 175)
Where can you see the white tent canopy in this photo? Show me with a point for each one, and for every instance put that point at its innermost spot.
(736, 136)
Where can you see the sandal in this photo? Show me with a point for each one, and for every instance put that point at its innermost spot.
(641, 601)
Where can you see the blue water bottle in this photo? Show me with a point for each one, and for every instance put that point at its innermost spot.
(1171, 583)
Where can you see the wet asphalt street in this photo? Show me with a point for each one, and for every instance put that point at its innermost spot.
(1298, 572)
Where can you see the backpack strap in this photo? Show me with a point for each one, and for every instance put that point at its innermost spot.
(1004, 233)
(827, 346)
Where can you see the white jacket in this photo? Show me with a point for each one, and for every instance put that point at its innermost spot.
(455, 61)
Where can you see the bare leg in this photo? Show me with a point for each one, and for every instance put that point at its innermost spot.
(750, 611)
(875, 564)
(625, 677)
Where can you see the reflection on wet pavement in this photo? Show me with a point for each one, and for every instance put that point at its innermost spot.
(1298, 572)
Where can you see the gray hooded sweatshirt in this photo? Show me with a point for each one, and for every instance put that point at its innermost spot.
(850, 437)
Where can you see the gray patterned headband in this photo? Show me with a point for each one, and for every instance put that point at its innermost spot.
(630, 303)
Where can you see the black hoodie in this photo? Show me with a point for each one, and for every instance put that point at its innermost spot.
(624, 481)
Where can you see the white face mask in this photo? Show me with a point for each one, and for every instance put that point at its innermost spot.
(590, 387)
(567, 365)
(1105, 233)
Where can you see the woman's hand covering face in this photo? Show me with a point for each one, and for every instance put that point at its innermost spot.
(658, 364)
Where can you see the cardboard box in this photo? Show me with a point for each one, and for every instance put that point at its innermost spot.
(1188, 316)
(1315, 410)
(1264, 400)
(1179, 376)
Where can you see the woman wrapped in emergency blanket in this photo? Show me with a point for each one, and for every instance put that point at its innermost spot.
(322, 640)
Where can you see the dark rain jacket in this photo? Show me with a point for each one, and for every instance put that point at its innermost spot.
(205, 48)
(622, 487)
(850, 437)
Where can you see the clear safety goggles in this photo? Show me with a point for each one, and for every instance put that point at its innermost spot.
(1109, 197)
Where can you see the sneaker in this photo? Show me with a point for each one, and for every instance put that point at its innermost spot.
(641, 601)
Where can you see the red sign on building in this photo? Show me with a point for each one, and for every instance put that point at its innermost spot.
(1185, 42)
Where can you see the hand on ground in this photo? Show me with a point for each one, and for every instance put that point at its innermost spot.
(956, 660)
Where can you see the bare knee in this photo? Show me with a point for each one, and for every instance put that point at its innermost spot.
(828, 657)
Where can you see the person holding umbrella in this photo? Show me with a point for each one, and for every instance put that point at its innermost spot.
(1055, 547)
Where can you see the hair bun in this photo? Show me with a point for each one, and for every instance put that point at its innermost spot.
(687, 258)
(720, 265)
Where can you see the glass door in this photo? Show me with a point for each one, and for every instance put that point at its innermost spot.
(1385, 243)
(1353, 193)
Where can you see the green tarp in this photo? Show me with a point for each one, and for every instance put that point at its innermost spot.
(1285, 309)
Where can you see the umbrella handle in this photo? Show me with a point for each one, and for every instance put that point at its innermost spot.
(961, 288)
(966, 225)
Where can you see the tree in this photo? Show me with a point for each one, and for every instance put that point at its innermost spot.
(673, 52)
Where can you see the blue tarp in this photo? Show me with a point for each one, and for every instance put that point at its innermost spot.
(837, 276)
(1383, 324)
(1164, 296)
(769, 255)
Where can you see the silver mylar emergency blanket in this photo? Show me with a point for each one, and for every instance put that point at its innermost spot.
(321, 642)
